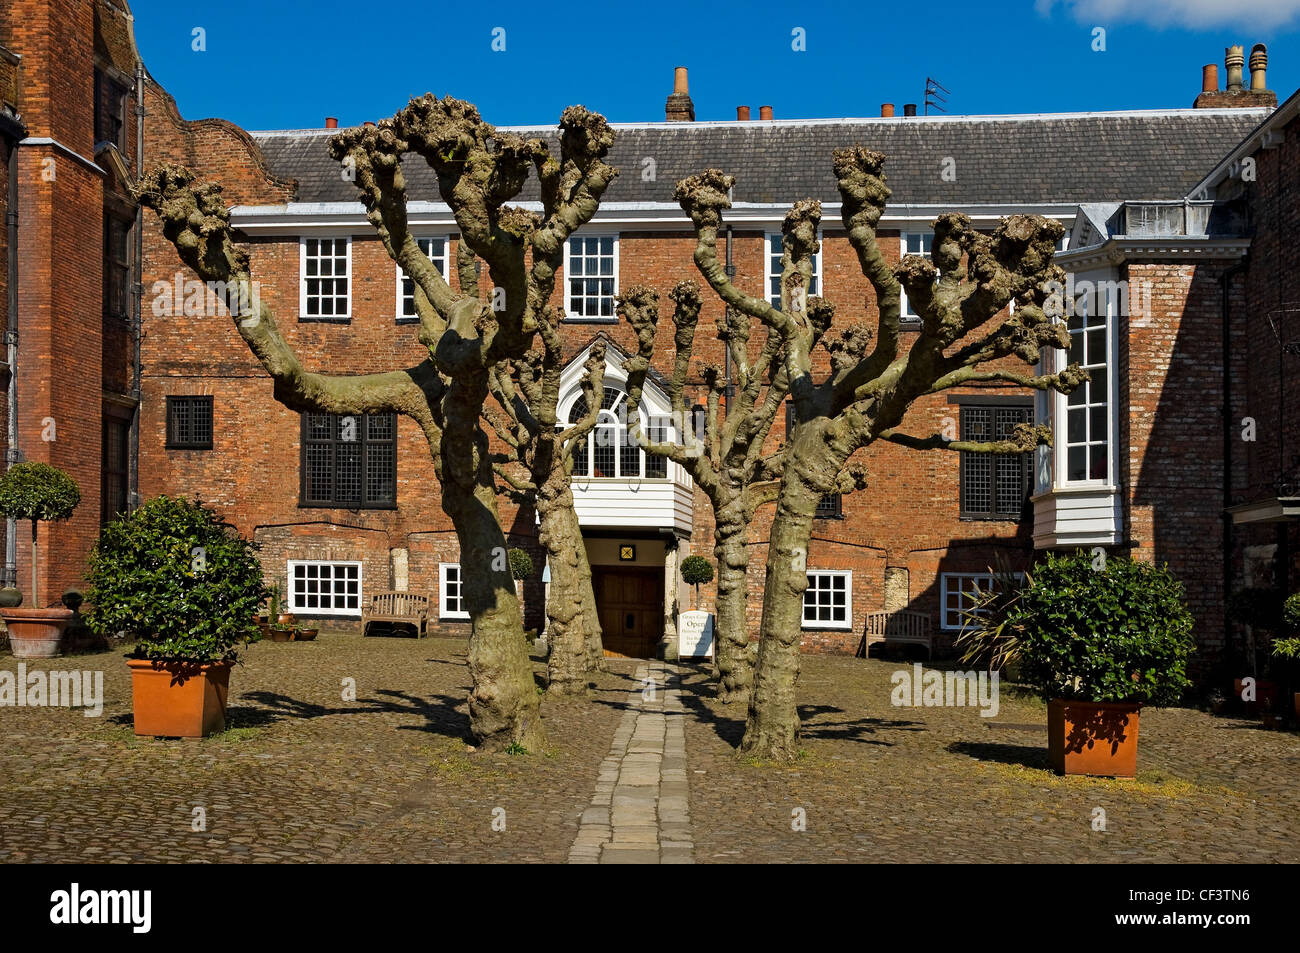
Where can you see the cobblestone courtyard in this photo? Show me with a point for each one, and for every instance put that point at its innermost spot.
(303, 775)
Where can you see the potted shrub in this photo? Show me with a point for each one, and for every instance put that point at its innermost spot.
(521, 567)
(187, 586)
(695, 570)
(1098, 644)
(1286, 651)
(40, 493)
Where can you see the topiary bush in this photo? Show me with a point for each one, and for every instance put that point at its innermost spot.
(1117, 634)
(521, 564)
(697, 569)
(40, 493)
(180, 580)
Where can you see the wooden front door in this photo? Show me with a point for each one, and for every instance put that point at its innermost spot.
(630, 602)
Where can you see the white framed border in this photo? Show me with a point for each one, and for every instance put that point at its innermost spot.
(332, 610)
(582, 318)
(769, 274)
(847, 624)
(443, 612)
(302, 279)
(443, 265)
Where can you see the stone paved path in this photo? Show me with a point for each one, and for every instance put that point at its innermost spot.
(639, 813)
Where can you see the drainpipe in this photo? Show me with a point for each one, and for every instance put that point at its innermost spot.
(11, 355)
(137, 294)
(1229, 433)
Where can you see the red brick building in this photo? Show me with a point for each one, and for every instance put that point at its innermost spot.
(1179, 250)
(311, 515)
(67, 72)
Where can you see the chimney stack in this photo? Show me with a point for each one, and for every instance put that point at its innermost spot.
(887, 110)
(679, 107)
(1233, 60)
(909, 109)
(331, 122)
(764, 112)
(1237, 94)
(1258, 63)
(742, 114)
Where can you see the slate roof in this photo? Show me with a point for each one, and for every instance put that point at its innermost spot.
(1062, 158)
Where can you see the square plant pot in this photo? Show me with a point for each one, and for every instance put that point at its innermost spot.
(1094, 738)
(179, 699)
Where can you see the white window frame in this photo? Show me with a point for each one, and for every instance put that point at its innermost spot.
(904, 312)
(847, 624)
(568, 301)
(769, 273)
(295, 605)
(442, 263)
(963, 595)
(302, 278)
(443, 611)
(1062, 426)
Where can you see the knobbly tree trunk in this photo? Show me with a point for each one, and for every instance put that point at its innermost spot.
(570, 601)
(503, 703)
(536, 443)
(772, 726)
(736, 653)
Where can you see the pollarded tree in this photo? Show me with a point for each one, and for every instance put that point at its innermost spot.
(479, 171)
(527, 393)
(964, 338)
(725, 459)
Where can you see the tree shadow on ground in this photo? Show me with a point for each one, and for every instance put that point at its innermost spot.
(852, 730)
(695, 686)
(1028, 756)
(619, 690)
(441, 713)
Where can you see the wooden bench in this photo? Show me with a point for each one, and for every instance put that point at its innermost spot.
(900, 625)
(407, 608)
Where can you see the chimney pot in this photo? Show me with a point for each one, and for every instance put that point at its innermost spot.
(886, 110)
(764, 112)
(909, 109)
(1258, 63)
(1233, 59)
(1210, 78)
(679, 107)
(742, 114)
(331, 122)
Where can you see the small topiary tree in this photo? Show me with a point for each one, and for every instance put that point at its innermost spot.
(40, 493)
(521, 564)
(1119, 633)
(183, 582)
(695, 570)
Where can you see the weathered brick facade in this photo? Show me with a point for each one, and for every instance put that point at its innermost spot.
(899, 538)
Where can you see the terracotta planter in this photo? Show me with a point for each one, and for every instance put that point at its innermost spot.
(1095, 738)
(281, 635)
(305, 635)
(179, 699)
(36, 633)
(284, 618)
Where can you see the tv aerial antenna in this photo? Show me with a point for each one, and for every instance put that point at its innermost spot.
(935, 96)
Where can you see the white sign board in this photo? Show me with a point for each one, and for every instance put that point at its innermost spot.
(695, 634)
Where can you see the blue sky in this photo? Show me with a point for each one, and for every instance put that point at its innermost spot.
(290, 63)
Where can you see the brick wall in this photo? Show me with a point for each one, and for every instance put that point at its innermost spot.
(257, 442)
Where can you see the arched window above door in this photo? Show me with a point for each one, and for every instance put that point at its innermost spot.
(609, 452)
